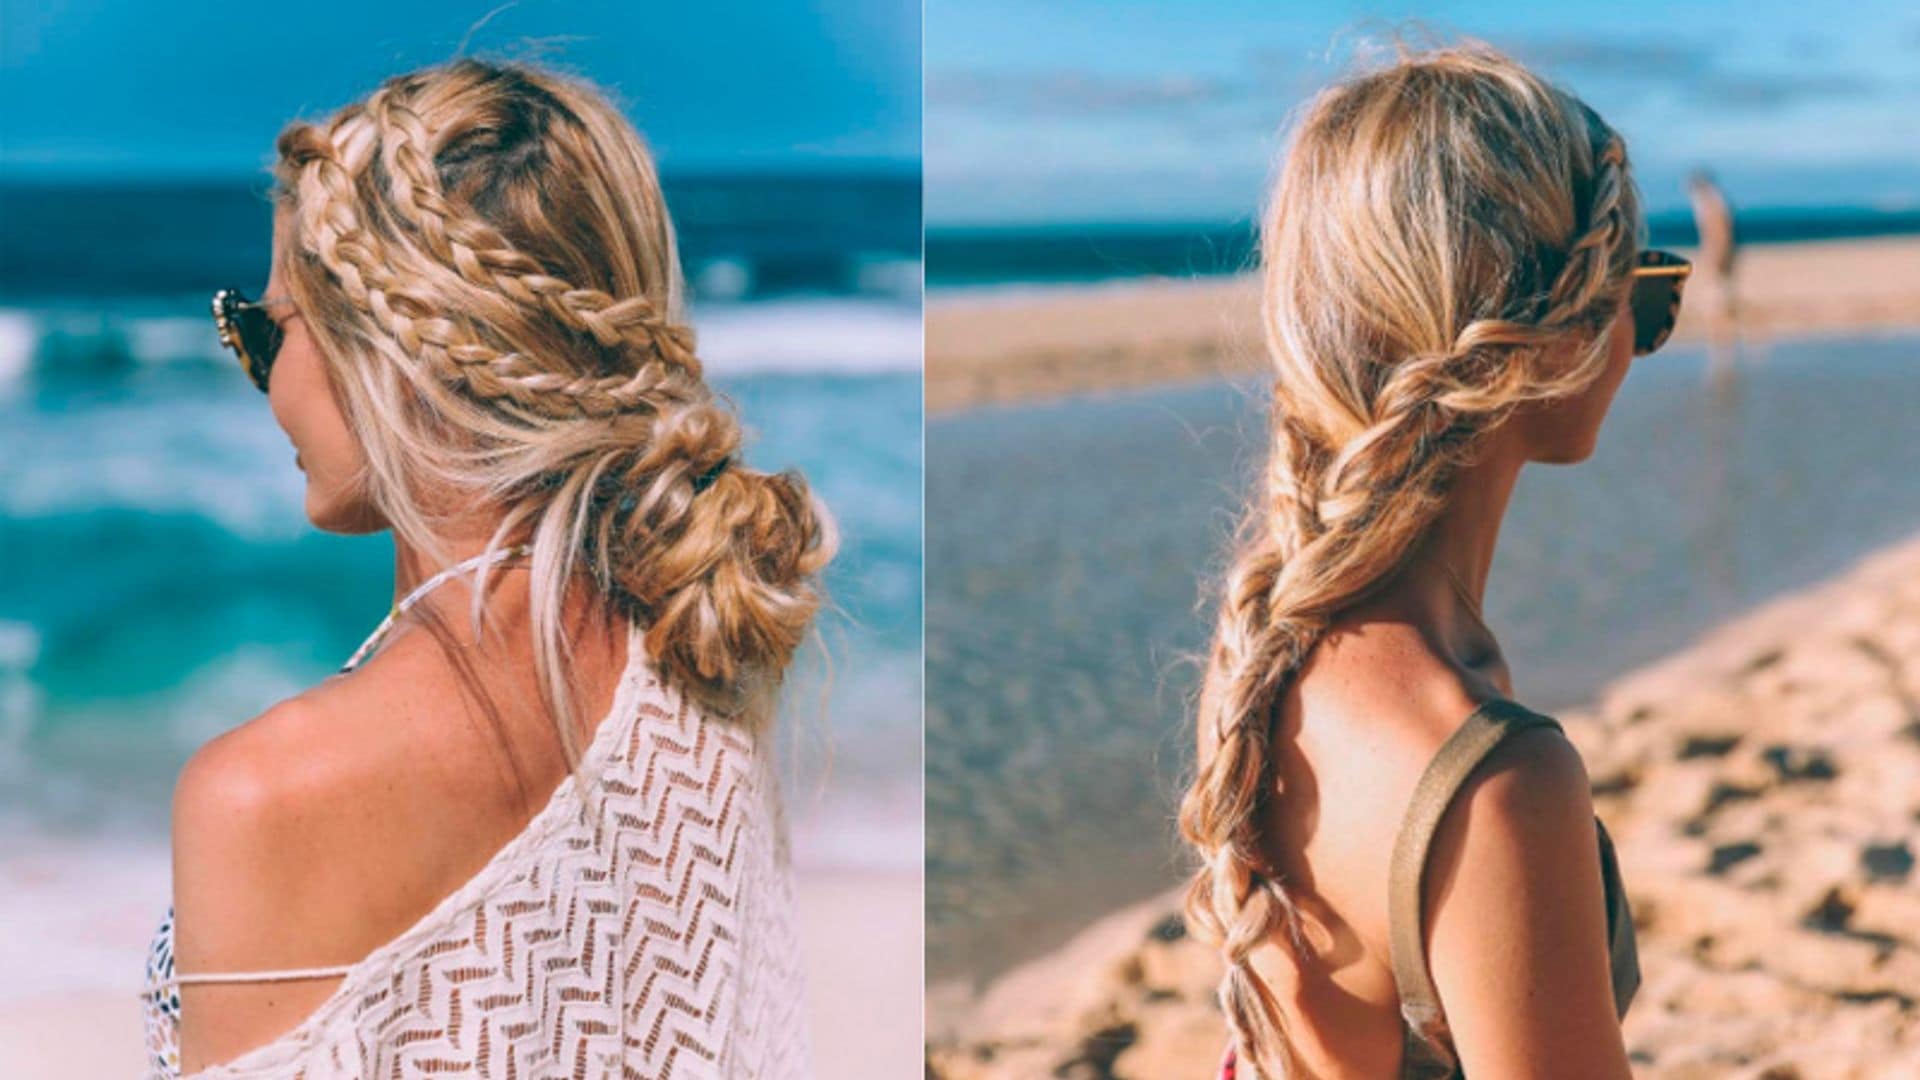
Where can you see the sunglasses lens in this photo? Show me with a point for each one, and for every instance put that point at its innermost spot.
(249, 332)
(1656, 301)
(261, 337)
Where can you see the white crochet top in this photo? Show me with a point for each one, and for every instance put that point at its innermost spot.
(643, 927)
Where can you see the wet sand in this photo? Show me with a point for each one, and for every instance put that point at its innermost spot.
(1027, 344)
(1762, 786)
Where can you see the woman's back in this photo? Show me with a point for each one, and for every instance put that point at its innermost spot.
(503, 914)
(1353, 747)
(1402, 769)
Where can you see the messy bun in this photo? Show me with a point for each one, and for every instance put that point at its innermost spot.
(717, 560)
(485, 261)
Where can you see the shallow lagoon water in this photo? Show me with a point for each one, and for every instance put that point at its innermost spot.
(1066, 607)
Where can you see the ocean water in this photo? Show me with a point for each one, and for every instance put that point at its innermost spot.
(1072, 544)
(999, 257)
(160, 584)
(741, 237)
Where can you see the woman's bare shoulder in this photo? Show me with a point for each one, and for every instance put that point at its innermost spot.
(258, 829)
(297, 843)
(1516, 922)
(1514, 918)
(317, 830)
(1362, 721)
(1375, 703)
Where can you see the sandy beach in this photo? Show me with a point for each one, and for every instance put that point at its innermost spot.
(1018, 345)
(860, 939)
(1757, 767)
(1763, 788)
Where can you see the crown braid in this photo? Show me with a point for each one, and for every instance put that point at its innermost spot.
(484, 257)
(452, 352)
(1339, 513)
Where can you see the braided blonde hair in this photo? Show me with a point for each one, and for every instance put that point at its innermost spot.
(484, 258)
(1449, 237)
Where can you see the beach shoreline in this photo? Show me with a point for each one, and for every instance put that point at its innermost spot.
(1005, 346)
(1762, 786)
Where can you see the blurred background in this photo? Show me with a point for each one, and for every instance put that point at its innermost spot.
(1083, 140)
(160, 582)
(1097, 398)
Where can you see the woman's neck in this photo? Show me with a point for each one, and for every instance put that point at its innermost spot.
(1444, 581)
(458, 539)
(1464, 535)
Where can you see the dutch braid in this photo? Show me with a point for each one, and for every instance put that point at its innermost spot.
(331, 228)
(1340, 511)
(485, 258)
(550, 374)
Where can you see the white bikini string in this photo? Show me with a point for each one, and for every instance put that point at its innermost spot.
(286, 975)
(399, 609)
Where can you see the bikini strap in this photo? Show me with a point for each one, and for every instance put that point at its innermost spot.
(161, 977)
(228, 977)
(484, 559)
(1427, 1044)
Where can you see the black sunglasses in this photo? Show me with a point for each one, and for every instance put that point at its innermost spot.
(245, 327)
(1658, 277)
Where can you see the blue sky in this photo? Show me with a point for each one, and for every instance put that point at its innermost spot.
(133, 86)
(1054, 111)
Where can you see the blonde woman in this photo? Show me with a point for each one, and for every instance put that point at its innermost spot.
(531, 829)
(1400, 864)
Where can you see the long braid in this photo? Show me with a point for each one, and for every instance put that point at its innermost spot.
(1338, 514)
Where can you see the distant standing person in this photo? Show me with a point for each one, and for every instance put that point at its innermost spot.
(1713, 217)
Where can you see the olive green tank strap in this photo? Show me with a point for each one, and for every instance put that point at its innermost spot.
(1427, 1044)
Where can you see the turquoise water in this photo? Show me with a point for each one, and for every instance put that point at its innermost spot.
(159, 582)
